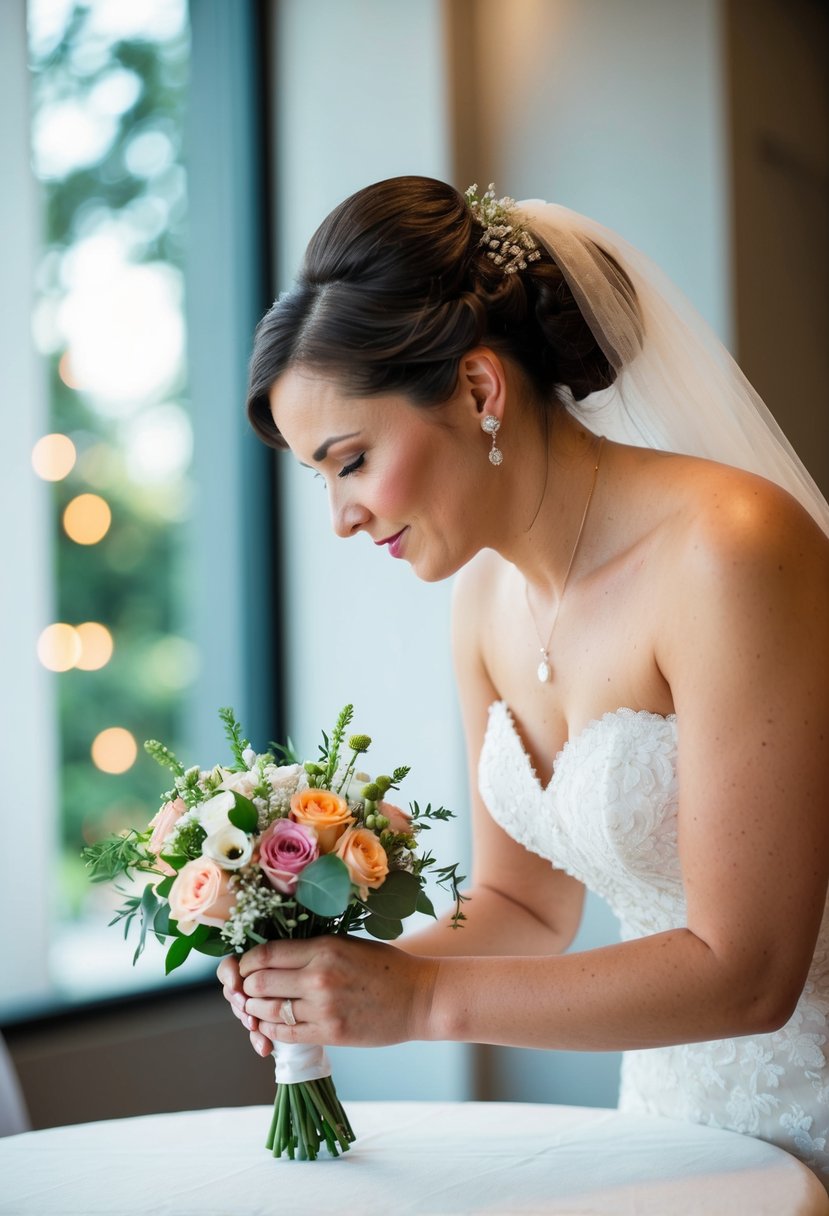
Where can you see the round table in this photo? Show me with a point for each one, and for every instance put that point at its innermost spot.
(410, 1157)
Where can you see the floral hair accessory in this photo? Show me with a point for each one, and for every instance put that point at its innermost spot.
(508, 243)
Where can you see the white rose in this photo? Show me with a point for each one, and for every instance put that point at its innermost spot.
(242, 783)
(213, 814)
(230, 847)
(286, 778)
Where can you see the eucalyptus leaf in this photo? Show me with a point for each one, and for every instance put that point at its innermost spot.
(244, 814)
(385, 929)
(324, 886)
(397, 898)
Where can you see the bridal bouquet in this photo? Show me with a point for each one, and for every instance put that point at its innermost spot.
(268, 847)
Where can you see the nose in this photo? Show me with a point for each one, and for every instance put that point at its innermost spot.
(348, 518)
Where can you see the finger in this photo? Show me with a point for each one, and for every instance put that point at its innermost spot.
(236, 999)
(228, 972)
(270, 1010)
(262, 1045)
(274, 956)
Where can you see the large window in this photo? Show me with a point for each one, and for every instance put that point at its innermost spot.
(135, 630)
(109, 90)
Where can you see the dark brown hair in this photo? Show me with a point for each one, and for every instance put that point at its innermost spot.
(395, 289)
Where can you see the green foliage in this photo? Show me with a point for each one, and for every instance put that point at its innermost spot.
(233, 733)
(324, 886)
(244, 815)
(117, 855)
(330, 749)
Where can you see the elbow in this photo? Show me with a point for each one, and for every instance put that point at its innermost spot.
(771, 1006)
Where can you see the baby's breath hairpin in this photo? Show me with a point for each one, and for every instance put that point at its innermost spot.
(508, 243)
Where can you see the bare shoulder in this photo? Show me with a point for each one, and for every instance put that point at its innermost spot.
(733, 528)
(745, 580)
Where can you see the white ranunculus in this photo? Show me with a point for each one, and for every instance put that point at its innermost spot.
(213, 814)
(230, 847)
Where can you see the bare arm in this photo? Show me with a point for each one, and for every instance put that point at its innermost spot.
(745, 651)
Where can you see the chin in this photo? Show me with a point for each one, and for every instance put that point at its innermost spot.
(434, 572)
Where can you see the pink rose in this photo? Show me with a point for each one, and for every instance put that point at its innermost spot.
(285, 849)
(201, 895)
(399, 821)
(163, 824)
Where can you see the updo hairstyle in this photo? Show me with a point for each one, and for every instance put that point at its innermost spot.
(395, 289)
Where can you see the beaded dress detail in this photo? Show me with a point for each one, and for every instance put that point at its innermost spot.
(609, 818)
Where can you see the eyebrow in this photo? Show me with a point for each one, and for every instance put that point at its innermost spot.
(322, 450)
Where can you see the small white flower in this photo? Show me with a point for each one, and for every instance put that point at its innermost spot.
(213, 814)
(230, 847)
(249, 756)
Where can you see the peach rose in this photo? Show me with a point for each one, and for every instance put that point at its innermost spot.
(200, 895)
(365, 858)
(163, 824)
(324, 811)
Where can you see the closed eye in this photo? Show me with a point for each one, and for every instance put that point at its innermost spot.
(353, 467)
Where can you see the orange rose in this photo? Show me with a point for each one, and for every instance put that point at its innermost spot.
(365, 857)
(324, 811)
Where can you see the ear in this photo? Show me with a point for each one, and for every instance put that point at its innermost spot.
(482, 381)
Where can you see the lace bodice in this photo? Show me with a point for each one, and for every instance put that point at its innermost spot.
(609, 817)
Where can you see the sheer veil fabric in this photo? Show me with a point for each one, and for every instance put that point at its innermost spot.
(677, 387)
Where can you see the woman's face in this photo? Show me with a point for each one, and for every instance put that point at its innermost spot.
(409, 477)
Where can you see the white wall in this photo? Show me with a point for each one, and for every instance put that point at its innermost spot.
(359, 95)
(616, 110)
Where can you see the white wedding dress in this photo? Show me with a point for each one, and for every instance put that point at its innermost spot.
(609, 818)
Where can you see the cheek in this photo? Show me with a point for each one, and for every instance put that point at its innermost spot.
(404, 485)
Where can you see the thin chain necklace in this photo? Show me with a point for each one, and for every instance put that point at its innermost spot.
(544, 671)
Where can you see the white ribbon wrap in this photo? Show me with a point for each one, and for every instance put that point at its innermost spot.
(295, 1062)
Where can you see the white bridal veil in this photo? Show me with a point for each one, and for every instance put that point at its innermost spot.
(677, 389)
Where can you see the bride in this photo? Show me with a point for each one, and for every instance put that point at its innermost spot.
(509, 393)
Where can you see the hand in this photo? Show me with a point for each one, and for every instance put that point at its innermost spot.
(343, 991)
(228, 973)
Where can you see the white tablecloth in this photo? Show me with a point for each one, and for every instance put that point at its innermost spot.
(410, 1157)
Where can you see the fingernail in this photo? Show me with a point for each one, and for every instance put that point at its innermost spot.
(238, 999)
(259, 1048)
(247, 1021)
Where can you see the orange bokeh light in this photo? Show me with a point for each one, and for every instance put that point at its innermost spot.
(59, 647)
(114, 750)
(87, 518)
(96, 646)
(53, 457)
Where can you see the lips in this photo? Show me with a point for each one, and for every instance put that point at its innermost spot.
(394, 542)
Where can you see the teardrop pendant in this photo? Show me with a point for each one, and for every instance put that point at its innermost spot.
(544, 671)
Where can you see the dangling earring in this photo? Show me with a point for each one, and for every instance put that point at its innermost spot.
(492, 426)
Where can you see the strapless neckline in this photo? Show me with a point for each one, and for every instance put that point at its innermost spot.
(574, 743)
